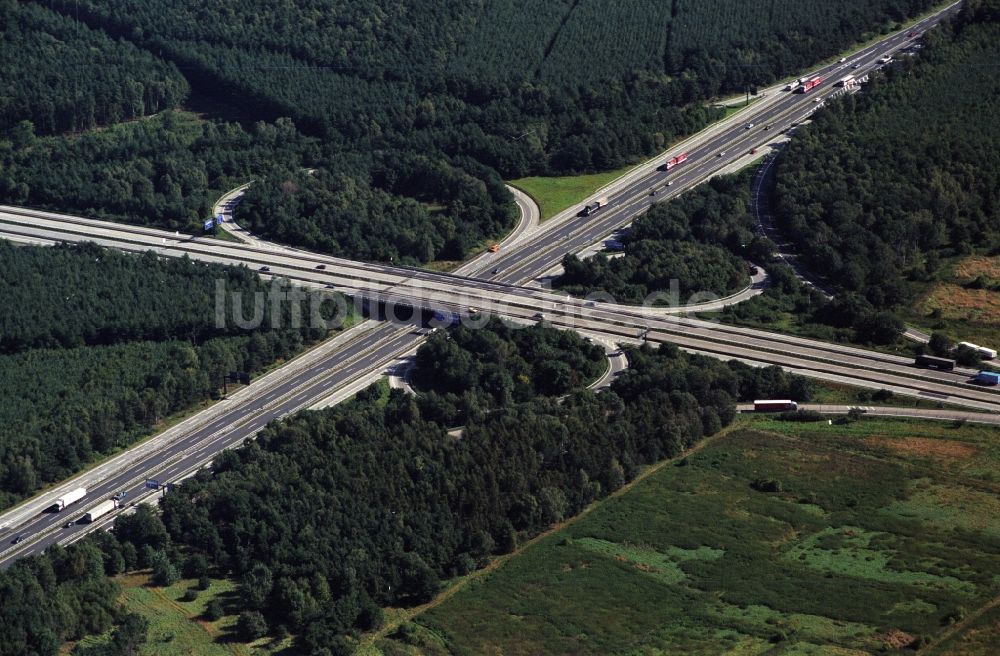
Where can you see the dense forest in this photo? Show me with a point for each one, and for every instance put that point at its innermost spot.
(699, 240)
(168, 171)
(804, 310)
(694, 240)
(60, 76)
(889, 182)
(596, 84)
(165, 171)
(878, 192)
(63, 595)
(89, 360)
(418, 108)
(411, 209)
(329, 516)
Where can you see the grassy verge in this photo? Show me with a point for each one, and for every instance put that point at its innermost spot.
(224, 235)
(776, 537)
(553, 195)
(444, 266)
(734, 106)
(831, 393)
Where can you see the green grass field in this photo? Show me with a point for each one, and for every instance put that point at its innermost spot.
(177, 628)
(736, 105)
(223, 235)
(553, 195)
(777, 538)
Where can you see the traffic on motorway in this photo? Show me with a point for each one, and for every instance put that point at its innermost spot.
(493, 289)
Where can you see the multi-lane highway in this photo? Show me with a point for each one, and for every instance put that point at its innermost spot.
(492, 292)
(414, 287)
(781, 110)
(176, 458)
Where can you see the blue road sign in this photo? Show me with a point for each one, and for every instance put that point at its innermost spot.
(219, 219)
(152, 484)
(209, 224)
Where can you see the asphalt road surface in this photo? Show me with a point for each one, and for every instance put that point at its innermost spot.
(188, 453)
(517, 265)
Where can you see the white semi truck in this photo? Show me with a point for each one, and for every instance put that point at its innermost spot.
(70, 498)
(100, 510)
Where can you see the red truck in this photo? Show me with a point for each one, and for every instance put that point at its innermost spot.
(771, 405)
(674, 161)
(809, 85)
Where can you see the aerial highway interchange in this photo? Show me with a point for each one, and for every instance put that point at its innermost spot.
(492, 284)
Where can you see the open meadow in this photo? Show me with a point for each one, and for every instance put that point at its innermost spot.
(777, 537)
(965, 303)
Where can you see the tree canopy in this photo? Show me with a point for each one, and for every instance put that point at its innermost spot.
(690, 244)
(59, 75)
(890, 181)
(90, 361)
(329, 515)
(57, 596)
(419, 108)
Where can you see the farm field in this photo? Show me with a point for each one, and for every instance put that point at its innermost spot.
(777, 538)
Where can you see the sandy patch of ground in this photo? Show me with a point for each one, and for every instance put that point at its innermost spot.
(928, 448)
(956, 302)
(976, 265)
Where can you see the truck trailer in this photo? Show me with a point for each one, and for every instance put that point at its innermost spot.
(944, 364)
(810, 84)
(100, 510)
(674, 161)
(590, 208)
(988, 378)
(983, 352)
(70, 498)
(774, 405)
(845, 81)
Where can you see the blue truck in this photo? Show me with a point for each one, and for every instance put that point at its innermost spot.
(988, 378)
